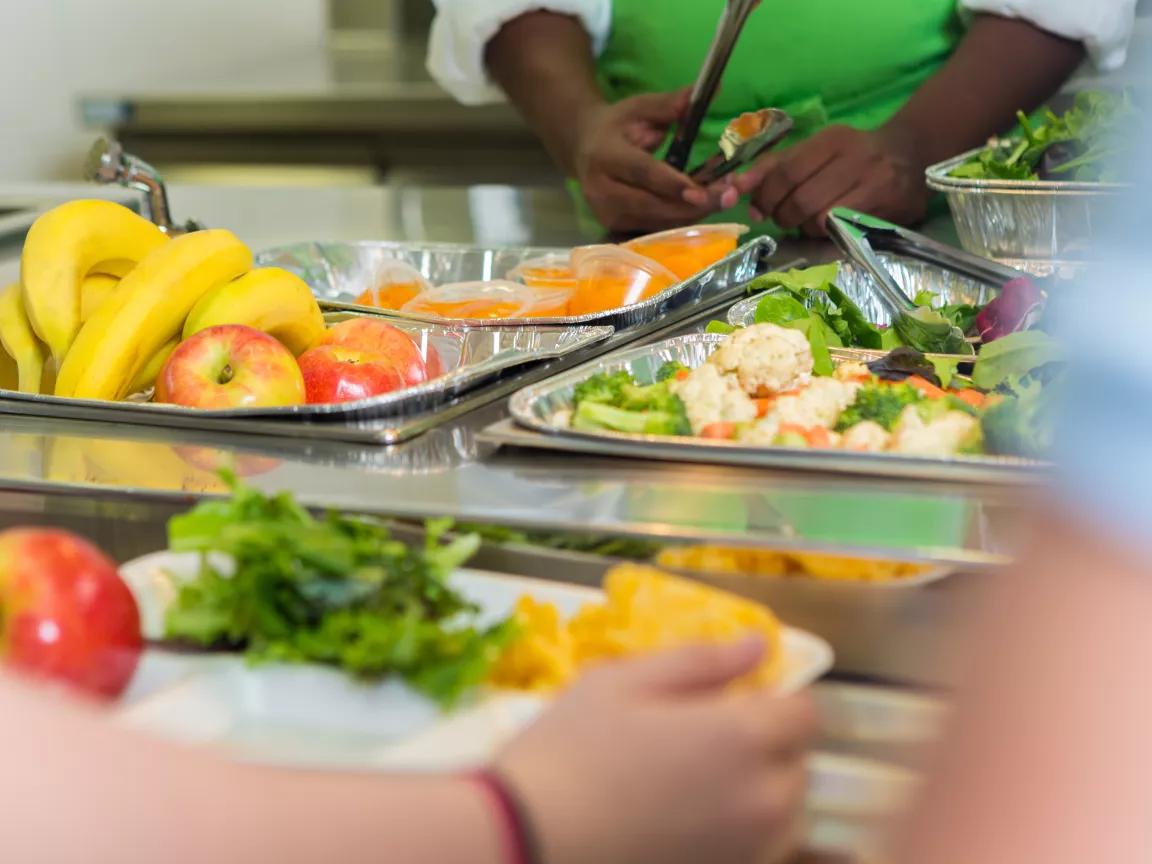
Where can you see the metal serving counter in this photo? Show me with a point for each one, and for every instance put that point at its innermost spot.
(119, 482)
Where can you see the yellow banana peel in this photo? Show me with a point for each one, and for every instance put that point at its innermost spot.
(270, 299)
(19, 341)
(118, 267)
(127, 464)
(147, 310)
(94, 290)
(62, 247)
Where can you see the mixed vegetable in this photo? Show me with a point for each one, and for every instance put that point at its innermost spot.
(1077, 145)
(761, 387)
(283, 585)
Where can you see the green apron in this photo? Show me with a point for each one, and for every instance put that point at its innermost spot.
(853, 62)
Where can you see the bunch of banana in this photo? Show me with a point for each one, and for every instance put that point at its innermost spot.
(105, 297)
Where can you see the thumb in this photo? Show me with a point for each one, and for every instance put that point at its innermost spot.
(696, 667)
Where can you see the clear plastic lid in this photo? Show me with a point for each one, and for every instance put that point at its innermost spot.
(612, 277)
(396, 283)
(688, 251)
(495, 299)
(547, 271)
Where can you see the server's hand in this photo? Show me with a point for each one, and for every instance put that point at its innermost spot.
(629, 189)
(838, 167)
(657, 760)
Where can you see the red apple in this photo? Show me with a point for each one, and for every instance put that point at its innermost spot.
(333, 373)
(374, 336)
(231, 366)
(65, 613)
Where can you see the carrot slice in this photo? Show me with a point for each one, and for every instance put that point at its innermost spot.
(763, 406)
(972, 397)
(926, 387)
(723, 431)
(818, 438)
(681, 374)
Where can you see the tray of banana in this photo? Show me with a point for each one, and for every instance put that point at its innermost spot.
(114, 320)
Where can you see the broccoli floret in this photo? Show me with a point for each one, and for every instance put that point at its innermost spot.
(880, 403)
(596, 415)
(1020, 424)
(670, 370)
(654, 397)
(605, 387)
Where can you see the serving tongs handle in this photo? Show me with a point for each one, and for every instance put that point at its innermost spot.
(852, 236)
(731, 25)
(883, 236)
(108, 163)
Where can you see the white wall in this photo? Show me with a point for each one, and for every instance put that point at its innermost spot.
(52, 50)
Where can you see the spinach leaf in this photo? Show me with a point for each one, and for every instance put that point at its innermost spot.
(1014, 356)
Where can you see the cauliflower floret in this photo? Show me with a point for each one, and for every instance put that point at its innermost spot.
(765, 358)
(942, 436)
(866, 437)
(852, 370)
(762, 433)
(819, 404)
(710, 397)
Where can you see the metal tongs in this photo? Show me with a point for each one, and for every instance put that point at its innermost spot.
(731, 25)
(108, 163)
(744, 139)
(859, 236)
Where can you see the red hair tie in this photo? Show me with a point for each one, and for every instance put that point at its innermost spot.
(515, 827)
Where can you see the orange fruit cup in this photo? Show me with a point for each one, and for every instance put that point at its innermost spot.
(397, 283)
(549, 271)
(688, 251)
(611, 277)
(489, 300)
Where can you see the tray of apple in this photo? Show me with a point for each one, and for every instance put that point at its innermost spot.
(113, 320)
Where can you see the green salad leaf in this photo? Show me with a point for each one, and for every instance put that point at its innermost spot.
(334, 590)
(1076, 145)
(1012, 357)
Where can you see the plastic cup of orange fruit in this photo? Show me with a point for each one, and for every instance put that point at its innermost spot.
(688, 251)
(612, 277)
(490, 300)
(397, 283)
(547, 271)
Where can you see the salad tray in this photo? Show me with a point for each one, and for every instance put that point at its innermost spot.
(339, 272)
(535, 408)
(474, 360)
(1044, 227)
(912, 275)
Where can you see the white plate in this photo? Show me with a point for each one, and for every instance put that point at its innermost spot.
(315, 716)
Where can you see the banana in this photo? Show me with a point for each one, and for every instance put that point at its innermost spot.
(146, 378)
(270, 299)
(118, 267)
(94, 290)
(147, 310)
(129, 463)
(61, 249)
(19, 341)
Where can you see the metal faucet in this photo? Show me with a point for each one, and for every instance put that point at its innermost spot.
(108, 163)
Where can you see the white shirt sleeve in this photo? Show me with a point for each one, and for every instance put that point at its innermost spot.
(1104, 26)
(462, 29)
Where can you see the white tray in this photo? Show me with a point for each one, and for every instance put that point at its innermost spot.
(310, 716)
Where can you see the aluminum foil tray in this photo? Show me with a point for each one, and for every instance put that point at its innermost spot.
(535, 407)
(1043, 227)
(911, 274)
(470, 357)
(339, 272)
